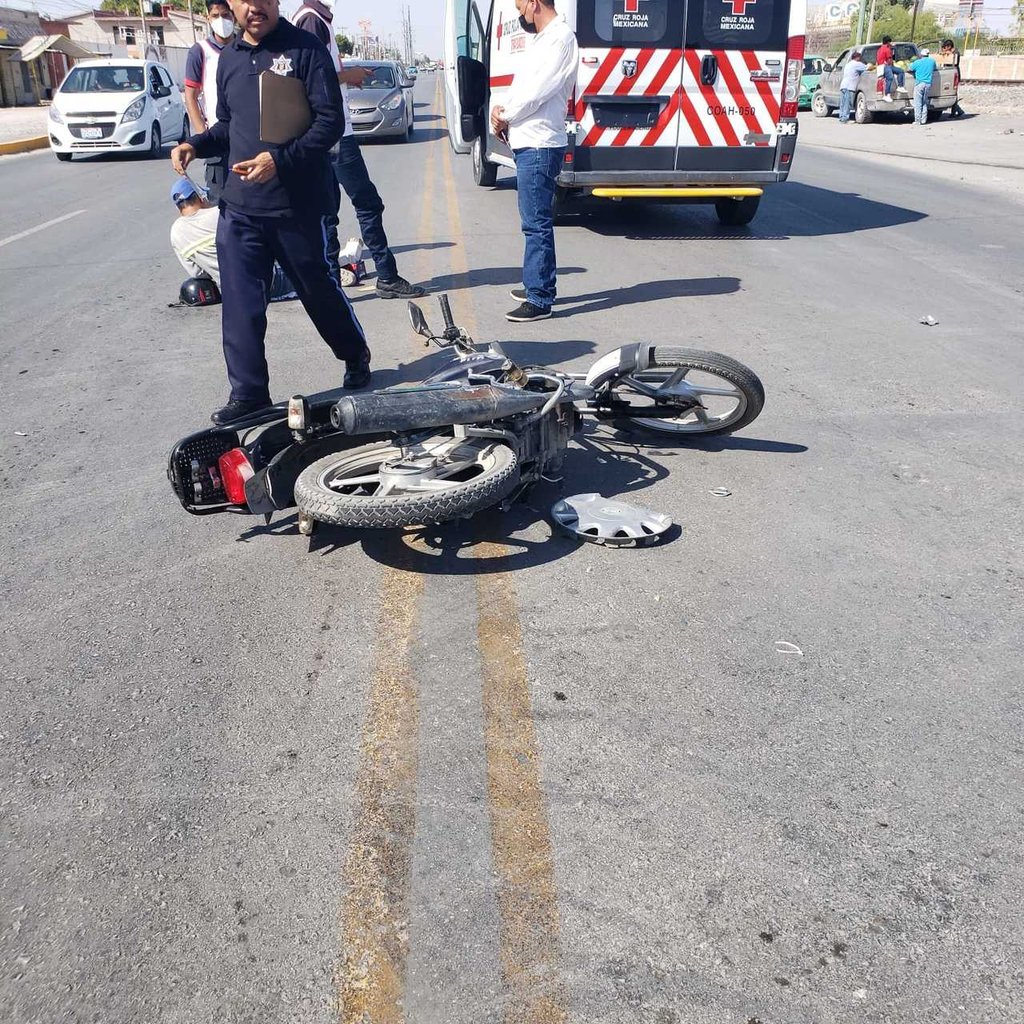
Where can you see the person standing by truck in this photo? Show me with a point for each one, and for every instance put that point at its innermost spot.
(923, 70)
(855, 67)
(533, 121)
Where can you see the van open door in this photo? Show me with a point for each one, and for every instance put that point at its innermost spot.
(465, 74)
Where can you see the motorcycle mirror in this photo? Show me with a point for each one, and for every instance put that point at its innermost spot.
(419, 321)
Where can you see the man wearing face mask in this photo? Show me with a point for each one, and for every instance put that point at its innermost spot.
(533, 120)
(201, 86)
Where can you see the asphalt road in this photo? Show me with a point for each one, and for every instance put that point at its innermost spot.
(478, 773)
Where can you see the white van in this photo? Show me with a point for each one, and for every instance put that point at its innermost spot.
(678, 100)
(118, 105)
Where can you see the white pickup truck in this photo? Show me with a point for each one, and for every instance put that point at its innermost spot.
(868, 101)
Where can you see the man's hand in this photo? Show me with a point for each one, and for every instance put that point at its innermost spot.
(259, 170)
(181, 156)
(498, 122)
(354, 76)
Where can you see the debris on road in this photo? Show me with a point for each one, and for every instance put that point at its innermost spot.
(929, 321)
(20, 433)
(721, 492)
(785, 647)
(600, 520)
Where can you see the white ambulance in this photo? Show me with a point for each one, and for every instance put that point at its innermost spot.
(676, 100)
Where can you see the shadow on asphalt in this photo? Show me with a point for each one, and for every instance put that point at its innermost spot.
(648, 291)
(819, 211)
(486, 275)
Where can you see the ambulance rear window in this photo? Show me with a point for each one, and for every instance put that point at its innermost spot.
(652, 24)
(738, 24)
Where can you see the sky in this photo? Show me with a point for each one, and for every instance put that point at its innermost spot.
(427, 16)
(386, 16)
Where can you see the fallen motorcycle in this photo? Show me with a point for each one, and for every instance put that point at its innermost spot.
(474, 434)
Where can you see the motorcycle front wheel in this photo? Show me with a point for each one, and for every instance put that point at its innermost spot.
(380, 486)
(731, 394)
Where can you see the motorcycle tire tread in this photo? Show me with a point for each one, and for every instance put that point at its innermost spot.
(390, 513)
(666, 356)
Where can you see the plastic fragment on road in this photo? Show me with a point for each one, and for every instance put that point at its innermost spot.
(600, 520)
(928, 321)
(785, 647)
(20, 433)
(721, 492)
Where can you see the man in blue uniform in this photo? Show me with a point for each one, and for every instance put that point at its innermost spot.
(275, 203)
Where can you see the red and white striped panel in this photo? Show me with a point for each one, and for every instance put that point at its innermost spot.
(695, 115)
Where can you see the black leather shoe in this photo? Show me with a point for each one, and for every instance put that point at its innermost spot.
(357, 373)
(399, 288)
(236, 410)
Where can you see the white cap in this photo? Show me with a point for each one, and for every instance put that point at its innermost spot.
(925, 51)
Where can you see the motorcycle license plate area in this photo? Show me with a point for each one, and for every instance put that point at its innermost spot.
(625, 115)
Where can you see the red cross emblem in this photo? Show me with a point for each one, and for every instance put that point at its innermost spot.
(632, 6)
(739, 7)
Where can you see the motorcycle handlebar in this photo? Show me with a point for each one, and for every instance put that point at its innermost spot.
(446, 312)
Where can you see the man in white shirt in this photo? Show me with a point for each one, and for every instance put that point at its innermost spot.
(533, 120)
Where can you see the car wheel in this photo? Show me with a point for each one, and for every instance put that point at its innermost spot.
(734, 213)
(485, 173)
(861, 114)
(63, 157)
(409, 129)
(156, 143)
(819, 106)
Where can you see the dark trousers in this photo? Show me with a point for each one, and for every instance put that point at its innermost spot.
(352, 175)
(246, 249)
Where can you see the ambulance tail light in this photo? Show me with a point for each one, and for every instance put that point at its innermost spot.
(235, 469)
(794, 69)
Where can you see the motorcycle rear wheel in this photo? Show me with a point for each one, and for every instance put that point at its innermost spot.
(357, 488)
(732, 392)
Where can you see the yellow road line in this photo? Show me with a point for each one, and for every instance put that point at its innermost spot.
(375, 931)
(521, 841)
(375, 928)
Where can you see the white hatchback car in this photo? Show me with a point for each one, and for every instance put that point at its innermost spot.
(116, 105)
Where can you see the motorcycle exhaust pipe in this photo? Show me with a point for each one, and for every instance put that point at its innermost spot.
(403, 412)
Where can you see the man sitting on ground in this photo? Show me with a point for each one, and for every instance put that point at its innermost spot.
(194, 239)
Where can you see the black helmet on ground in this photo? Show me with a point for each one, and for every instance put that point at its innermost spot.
(199, 291)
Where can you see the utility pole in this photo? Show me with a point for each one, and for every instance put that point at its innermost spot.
(192, 21)
(145, 31)
(913, 21)
(860, 25)
(871, 23)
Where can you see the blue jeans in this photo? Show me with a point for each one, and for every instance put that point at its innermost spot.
(891, 72)
(536, 172)
(845, 104)
(352, 175)
(921, 102)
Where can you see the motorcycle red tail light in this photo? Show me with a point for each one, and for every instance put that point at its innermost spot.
(235, 469)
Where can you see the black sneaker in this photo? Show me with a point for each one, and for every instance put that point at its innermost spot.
(357, 373)
(236, 410)
(519, 294)
(527, 313)
(399, 288)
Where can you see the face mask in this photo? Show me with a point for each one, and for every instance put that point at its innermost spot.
(224, 27)
(527, 26)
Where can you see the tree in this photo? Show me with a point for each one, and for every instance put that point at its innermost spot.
(1017, 13)
(345, 47)
(132, 6)
(893, 18)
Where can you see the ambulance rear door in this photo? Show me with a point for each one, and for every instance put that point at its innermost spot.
(734, 75)
(628, 87)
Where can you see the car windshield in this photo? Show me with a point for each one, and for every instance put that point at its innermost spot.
(380, 78)
(108, 79)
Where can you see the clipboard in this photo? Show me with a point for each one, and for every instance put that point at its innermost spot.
(284, 109)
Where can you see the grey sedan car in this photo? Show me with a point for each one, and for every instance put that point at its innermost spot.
(382, 106)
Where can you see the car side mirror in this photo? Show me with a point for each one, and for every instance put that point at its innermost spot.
(826, 68)
(419, 321)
